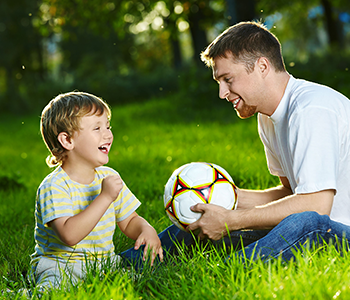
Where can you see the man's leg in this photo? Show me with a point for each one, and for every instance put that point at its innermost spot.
(293, 232)
(174, 239)
(239, 239)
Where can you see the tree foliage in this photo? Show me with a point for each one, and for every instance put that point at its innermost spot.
(20, 47)
(303, 22)
(138, 49)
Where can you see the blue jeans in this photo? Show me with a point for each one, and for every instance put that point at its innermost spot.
(283, 240)
(293, 232)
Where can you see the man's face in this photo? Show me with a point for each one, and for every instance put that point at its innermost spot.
(238, 86)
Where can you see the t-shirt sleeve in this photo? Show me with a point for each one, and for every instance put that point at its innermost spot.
(125, 204)
(314, 145)
(54, 202)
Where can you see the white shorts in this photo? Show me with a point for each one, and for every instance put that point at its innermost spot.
(52, 274)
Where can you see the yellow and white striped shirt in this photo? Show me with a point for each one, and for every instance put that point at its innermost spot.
(59, 196)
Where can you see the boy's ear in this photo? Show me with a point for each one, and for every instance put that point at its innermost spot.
(65, 140)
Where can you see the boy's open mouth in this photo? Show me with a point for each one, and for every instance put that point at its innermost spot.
(104, 149)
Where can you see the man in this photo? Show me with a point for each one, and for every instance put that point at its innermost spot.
(305, 129)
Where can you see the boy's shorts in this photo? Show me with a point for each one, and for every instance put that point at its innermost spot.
(52, 274)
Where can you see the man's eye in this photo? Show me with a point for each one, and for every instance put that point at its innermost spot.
(228, 79)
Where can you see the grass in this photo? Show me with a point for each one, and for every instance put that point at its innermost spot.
(151, 140)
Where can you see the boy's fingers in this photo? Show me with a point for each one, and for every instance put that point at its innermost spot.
(160, 253)
(138, 243)
(154, 255)
(155, 252)
(145, 252)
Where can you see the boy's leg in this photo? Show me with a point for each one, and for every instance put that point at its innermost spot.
(47, 274)
(293, 232)
(51, 274)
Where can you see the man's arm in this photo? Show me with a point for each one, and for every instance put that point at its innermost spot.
(270, 214)
(254, 212)
(252, 198)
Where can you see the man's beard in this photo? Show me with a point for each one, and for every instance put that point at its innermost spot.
(246, 111)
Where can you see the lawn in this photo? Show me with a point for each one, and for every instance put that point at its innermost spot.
(151, 139)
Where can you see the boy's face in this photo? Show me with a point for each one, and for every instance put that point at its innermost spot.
(92, 142)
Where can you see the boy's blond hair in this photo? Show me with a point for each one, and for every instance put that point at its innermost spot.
(63, 114)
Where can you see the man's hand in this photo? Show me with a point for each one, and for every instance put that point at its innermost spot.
(212, 223)
(111, 187)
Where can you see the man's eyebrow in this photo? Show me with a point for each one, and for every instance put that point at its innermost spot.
(216, 78)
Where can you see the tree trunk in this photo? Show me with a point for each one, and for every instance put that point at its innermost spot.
(177, 57)
(238, 11)
(332, 25)
(198, 34)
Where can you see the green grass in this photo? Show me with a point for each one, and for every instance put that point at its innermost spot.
(151, 139)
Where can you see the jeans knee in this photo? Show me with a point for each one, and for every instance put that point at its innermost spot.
(310, 220)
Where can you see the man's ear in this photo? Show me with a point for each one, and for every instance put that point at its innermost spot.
(264, 66)
(65, 140)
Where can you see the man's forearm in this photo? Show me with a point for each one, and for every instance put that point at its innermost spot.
(269, 215)
(252, 198)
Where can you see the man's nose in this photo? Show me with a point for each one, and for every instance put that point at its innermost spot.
(223, 91)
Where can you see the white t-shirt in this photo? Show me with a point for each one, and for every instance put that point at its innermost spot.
(307, 140)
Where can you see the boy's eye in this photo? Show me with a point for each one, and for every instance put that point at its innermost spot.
(109, 127)
(97, 128)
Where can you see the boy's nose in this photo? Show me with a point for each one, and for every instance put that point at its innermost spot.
(108, 134)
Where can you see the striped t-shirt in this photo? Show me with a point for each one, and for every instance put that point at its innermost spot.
(59, 196)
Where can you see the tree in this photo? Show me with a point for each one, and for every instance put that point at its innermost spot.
(304, 16)
(21, 49)
(239, 11)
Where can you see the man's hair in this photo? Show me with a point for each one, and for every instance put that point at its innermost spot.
(63, 114)
(247, 42)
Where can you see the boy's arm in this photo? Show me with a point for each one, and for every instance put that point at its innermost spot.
(71, 230)
(138, 229)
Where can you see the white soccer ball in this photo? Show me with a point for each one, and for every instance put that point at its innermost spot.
(197, 182)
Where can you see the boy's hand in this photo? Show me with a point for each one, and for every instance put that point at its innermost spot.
(138, 229)
(150, 239)
(111, 187)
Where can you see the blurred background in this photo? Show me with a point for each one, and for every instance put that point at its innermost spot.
(125, 50)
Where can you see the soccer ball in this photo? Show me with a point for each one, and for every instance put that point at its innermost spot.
(197, 182)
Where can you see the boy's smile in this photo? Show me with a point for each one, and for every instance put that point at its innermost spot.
(105, 148)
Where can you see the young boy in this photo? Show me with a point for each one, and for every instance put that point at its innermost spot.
(79, 204)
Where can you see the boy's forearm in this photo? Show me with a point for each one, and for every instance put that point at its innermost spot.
(134, 225)
(71, 230)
